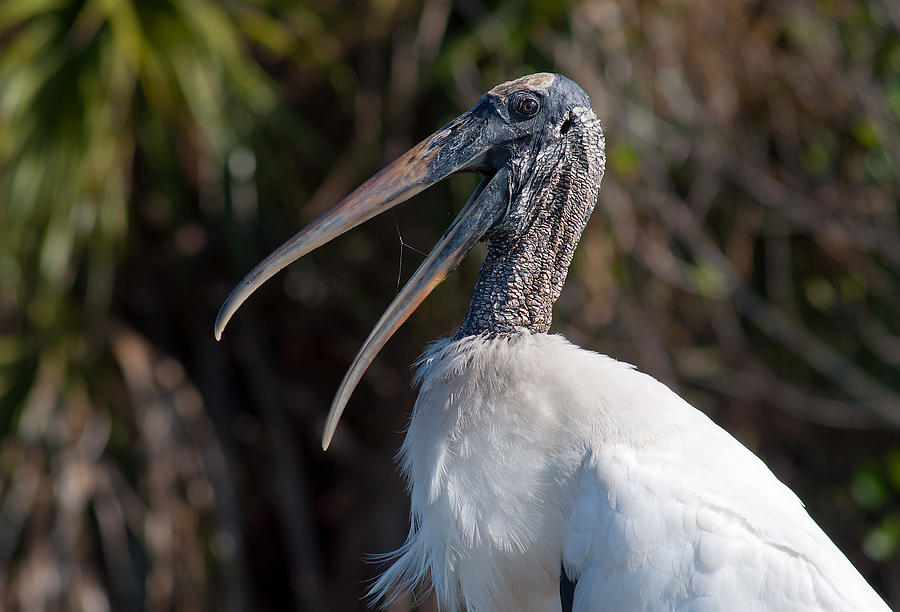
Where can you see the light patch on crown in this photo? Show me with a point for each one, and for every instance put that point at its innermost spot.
(541, 80)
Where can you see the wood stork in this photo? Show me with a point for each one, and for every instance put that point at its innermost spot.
(526, 454)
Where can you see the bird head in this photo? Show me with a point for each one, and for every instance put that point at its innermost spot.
(515, 129)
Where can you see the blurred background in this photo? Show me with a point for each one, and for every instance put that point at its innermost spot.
(745, 251)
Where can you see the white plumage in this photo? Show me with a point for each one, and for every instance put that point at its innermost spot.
(526, 450)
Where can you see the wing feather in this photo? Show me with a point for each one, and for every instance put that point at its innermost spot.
(695, 521)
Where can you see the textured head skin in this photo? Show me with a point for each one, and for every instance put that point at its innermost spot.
(555, 158)
(510, 133)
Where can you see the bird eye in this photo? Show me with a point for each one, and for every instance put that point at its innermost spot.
(527, 106)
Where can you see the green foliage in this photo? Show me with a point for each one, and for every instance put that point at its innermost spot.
(876, 488)
(82, 83)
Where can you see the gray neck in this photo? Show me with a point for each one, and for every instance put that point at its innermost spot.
(526, 267)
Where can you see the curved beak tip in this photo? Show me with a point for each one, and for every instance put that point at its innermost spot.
(219, 327)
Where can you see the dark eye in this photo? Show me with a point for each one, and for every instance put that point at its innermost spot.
(528, 106)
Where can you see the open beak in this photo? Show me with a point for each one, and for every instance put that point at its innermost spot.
(461, 145)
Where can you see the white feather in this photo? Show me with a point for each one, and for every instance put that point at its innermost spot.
(526, 451)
